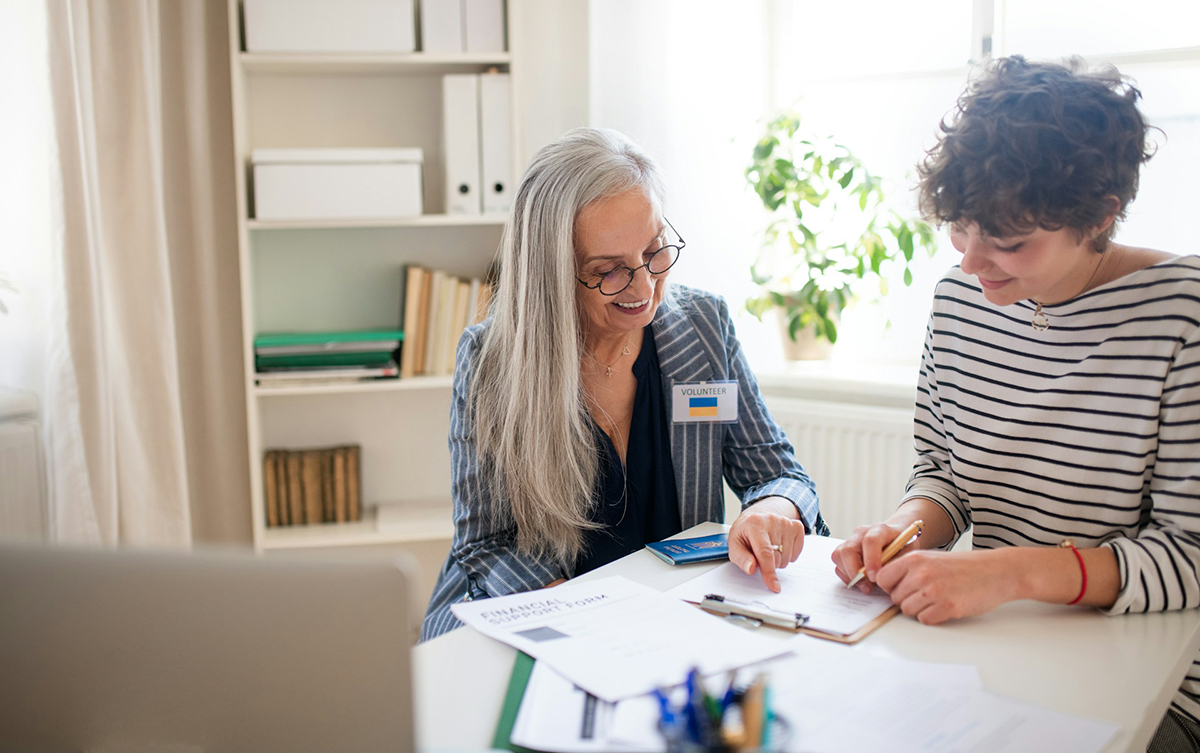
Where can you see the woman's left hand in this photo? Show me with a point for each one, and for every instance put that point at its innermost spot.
(938, 586)
(764, 538)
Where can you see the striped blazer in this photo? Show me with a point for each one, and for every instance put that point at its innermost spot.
(696, 343)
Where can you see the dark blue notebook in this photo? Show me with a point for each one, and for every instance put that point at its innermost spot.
(687, 551)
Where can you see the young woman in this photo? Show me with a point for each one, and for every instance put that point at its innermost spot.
(1058, 411)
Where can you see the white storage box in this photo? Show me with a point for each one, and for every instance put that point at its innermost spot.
(330, 184)
(364, 26)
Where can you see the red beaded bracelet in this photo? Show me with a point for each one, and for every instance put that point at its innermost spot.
(1069, 544)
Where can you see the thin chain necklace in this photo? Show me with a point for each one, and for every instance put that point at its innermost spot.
(1040, 321)
(608, 367)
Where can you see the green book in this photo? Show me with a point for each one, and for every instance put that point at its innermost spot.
(367, 358)
(276, 339)
(517, 683)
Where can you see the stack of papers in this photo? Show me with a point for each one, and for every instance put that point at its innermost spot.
(615, 638)
(833, 700)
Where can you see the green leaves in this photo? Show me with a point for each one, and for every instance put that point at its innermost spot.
(765, 146)
(904, 238)
(830, 225)
(828, 329)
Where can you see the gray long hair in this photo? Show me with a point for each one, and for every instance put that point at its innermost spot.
(531, 420)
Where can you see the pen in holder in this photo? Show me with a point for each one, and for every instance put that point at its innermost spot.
(742, 720)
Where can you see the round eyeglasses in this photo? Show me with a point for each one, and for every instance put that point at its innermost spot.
(617, 279)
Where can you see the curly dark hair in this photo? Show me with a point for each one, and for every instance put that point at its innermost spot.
(1034, 145)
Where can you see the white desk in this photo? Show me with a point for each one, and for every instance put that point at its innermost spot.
(1121, 670)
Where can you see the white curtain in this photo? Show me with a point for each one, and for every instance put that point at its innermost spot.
(144, 398)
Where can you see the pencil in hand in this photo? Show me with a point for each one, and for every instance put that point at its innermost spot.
(906, 537)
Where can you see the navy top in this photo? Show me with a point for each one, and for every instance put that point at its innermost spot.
(638, 502)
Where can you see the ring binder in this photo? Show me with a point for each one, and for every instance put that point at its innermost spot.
(730, 607)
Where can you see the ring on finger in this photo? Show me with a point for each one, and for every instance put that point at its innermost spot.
(777, 547)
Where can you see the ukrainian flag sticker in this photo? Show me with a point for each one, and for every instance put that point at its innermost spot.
(702, 406)
(710, 402)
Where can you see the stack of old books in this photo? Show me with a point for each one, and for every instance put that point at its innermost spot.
(437, 307)
(303, 487)
(284, 359)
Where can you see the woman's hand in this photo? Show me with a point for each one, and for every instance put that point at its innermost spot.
(938, 586)
(765, 537)
(865, 547)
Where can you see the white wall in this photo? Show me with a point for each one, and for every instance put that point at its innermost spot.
(551, 40)
(689, 81)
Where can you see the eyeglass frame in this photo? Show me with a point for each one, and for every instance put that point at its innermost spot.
(634, 270)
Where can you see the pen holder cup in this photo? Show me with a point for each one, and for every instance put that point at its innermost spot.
(779, 734)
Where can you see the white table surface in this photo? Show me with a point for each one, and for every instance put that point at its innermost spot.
(1121, 670)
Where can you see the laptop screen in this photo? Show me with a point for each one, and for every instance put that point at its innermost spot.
(116, 650)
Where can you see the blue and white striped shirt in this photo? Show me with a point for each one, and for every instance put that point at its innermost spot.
(1088, 430)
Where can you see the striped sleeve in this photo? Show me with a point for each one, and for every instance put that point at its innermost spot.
(931, 477)
(757, 458)
(1160, 567)
(485, 551)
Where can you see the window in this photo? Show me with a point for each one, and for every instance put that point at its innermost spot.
(880, 76)
(693, 80)
(25, 234)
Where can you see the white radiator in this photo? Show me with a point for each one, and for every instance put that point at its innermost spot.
(22, 487)
(859, 456)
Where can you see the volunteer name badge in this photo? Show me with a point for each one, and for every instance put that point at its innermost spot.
(705, 402)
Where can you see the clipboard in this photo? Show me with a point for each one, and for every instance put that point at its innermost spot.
(790, 621)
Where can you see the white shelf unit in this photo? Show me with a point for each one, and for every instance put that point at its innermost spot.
(344, 274)
(382, 385)
(276, 62)
(425, 220)
(428, 522)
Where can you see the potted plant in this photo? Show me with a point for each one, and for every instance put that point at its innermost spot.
(830, 232)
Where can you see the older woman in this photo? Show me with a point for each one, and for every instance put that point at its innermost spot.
(1059, 402)
(571, 440)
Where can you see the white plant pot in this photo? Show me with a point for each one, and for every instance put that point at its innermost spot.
(806, 346)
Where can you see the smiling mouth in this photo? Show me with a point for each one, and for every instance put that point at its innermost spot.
(993, 284)
(634, 305)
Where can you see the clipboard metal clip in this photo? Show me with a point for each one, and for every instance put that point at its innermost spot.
(753, 611)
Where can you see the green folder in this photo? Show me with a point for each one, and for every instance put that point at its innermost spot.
(276, 339)
(517, 683)
(356, 358)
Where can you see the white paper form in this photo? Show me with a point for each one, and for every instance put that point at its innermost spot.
(616, 638)
(860, 702)
(555, 715)
(808, 586)
(839, 700)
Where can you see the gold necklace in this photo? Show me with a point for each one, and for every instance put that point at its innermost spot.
(608, 367)
(1040, 321)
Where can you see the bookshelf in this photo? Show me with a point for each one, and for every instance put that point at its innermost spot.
(347, 274)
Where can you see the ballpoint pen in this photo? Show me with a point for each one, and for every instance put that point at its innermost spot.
(694, 713)
(666, 716)
(907, 536)
(729, 692)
